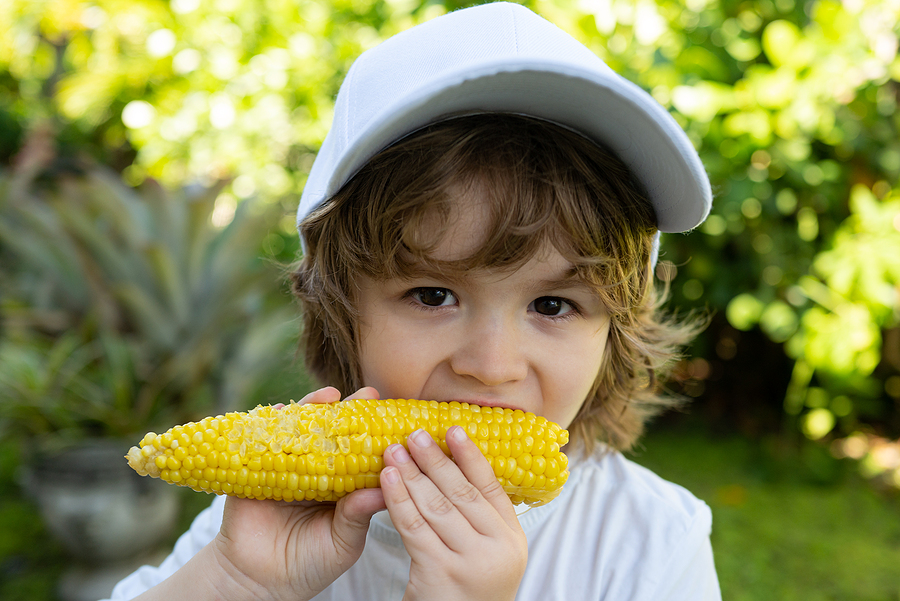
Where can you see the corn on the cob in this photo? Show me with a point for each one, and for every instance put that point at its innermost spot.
(323, 451)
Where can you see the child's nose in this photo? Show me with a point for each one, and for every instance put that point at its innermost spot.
(491, 353)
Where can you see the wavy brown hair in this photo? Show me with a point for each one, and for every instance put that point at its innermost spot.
(545, 185)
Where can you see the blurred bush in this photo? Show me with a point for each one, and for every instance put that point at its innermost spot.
(129, 309)
(793, 106)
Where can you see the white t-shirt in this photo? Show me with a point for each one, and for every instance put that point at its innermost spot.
(617, 532)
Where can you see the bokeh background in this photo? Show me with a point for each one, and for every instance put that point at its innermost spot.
(152, 153)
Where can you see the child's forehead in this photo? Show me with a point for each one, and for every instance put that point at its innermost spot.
(459, 226)
(471, 229)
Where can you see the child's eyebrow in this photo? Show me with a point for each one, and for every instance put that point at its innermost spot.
(424, 272)
(570, 279)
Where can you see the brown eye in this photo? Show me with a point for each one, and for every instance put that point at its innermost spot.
(551, 306)
(433, 297)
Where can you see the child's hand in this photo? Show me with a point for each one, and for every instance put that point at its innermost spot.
(278, 550)
(457, 523)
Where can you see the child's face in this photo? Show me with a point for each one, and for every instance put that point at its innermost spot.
(532, 338)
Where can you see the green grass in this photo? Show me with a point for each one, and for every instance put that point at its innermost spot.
(789, 522)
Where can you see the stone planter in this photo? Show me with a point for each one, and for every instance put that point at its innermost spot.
(109, 519)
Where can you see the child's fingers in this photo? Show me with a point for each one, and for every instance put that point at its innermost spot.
(405, 515)
(329, 394)
(351, 520)
(467, 471)
(451, 504)
(366, 392)
(479, 472)
(430, 508)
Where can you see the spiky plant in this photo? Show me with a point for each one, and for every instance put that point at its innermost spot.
(159, 313)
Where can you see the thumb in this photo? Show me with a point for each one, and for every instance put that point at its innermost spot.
(352, 515)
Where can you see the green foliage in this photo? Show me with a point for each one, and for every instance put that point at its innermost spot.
(794, 110)
(202, 89)
(126, 308)
(792, 105)
(58, 387)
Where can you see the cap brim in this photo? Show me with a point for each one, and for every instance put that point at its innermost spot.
(602, 106)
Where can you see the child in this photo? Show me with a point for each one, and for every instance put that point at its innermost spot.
(481, 225)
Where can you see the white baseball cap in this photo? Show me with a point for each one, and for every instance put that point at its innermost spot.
(501, 57)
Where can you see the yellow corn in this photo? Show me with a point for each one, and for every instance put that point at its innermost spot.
(320, 452)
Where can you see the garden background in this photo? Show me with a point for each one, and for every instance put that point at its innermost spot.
(152, 153)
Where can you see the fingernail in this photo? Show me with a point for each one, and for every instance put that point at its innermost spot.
(399, 453)
(390, 474)
(457, 434)
(421, 438)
